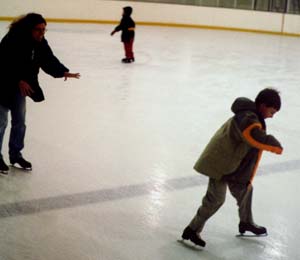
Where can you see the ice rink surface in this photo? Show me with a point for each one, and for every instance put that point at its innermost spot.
(113, 152)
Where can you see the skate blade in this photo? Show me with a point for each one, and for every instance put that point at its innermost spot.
(3, 173)
(18, 167)
(252, 235)
(190, 245)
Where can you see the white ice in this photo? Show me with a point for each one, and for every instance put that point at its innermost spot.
(113, 152)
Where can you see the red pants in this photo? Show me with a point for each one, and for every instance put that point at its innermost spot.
(128, 49)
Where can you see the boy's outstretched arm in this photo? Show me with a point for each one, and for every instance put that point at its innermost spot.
(257, 137)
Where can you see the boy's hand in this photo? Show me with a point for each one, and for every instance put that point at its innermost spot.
(277, 150)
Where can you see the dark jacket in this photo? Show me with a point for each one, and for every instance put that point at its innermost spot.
(236, 147)
(21, 59)
(127, 26)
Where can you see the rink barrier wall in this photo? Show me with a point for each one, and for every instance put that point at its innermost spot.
(62, 20)
(155, 14)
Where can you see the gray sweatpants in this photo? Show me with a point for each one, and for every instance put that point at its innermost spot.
(215, 197)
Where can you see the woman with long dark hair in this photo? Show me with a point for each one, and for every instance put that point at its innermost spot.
(23, 51)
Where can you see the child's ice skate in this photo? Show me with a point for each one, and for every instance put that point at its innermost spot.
(21, 163)
(3, 167)
(189, 234)
(251, 227)
(128, 60)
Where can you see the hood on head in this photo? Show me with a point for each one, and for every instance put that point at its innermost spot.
(127, 10)
(241, 104)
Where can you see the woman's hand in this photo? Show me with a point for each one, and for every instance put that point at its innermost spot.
(71, 75)
(25, 88)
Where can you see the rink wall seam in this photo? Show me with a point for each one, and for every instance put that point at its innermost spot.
(156, 14)
(208, 27)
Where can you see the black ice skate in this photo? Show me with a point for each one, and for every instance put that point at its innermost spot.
(251, 227)
(189, 234)
(21, 163)
(3, 167)
(128, 60)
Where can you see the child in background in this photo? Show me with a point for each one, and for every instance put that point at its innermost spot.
(231, 158)
(127, 26)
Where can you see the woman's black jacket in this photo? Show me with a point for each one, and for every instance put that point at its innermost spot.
(20, 59)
